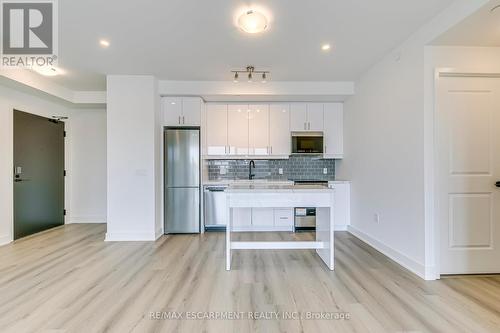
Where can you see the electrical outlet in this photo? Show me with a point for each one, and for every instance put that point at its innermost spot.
(280, 171)
(376, 218)
(325, 171)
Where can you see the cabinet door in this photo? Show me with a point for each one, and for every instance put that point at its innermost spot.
(172, 111)
(334, 130)
(315, 116)
(283, 218)
(258, 130)
(191, 111)
(279, 129)
(242, 219)
(298, 117)
(237, 121)
(216, 129)
(263, 217)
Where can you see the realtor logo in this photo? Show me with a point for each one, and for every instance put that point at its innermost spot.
(29, 34)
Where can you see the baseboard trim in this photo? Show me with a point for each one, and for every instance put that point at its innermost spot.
(130, 237)
(340, 228)
(388, 251)
(5, 239)
(86, 219)
(159, 233)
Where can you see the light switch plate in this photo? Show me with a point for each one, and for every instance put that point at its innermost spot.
(280, 171)
(325, 171)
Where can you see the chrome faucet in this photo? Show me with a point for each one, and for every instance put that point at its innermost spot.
(250, 174)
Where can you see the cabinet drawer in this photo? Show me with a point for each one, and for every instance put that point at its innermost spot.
(283, 217)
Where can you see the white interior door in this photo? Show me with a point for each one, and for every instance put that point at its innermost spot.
(468, 166)
(258, 127)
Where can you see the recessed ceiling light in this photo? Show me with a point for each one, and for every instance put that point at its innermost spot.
(47, 70)
(252, 22)
(325, 47)
(104, 43)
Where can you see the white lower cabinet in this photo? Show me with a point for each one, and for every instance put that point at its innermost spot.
(262, 219)
(242, 218)
(283, 219)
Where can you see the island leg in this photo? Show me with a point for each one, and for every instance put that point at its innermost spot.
(324, 233)
(228, 235)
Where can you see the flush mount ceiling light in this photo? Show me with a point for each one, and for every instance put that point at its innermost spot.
(47, 70)
(325, 47)
(252, 22)
(104, 43)
(250, 71)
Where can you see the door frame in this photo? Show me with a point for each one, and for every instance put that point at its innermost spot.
(432, 222)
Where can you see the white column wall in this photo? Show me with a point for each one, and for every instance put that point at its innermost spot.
(132, 157)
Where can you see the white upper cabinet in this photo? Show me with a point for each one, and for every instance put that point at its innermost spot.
(298, 117)
(279, 133)
(315, 117)
(191, 111)
(237, 122)
(258, 129)
(216, 129)
(181, 111)
(240, 130)
(334, 130)
(172, 110)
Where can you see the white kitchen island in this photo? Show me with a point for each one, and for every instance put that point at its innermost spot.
(284, 196)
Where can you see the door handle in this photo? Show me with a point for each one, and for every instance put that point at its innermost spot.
(20, 180)
(497, 184)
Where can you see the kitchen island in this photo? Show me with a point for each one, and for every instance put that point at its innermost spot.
(284, 196)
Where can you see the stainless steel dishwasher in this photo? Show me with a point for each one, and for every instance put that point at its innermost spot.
(215, 207)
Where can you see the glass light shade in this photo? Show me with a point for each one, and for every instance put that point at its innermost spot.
(252, 22)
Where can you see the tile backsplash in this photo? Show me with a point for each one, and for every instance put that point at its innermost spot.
(296, 167)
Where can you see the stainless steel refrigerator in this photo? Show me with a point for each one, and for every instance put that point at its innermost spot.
(182, 180)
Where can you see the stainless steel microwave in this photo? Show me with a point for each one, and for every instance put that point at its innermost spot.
(307, 142)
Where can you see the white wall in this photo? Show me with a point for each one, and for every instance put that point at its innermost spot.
(385, 151)
(88, 167)
(132, 154)
(79, 165)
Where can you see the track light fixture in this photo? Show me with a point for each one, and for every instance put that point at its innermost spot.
(250, 71)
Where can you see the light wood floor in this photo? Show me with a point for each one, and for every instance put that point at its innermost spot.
(70, 280)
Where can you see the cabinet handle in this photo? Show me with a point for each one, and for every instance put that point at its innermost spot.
(271, 150)
(308, 126)
(179, 120)
(225, 149)
(183, 120)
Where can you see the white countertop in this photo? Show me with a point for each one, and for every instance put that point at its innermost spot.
(339, 182)
(247, 182)
(238, 188)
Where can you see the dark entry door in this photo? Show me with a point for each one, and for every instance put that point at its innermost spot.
(38, 173)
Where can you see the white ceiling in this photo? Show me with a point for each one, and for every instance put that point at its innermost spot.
(480, 29)
(197, 40)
